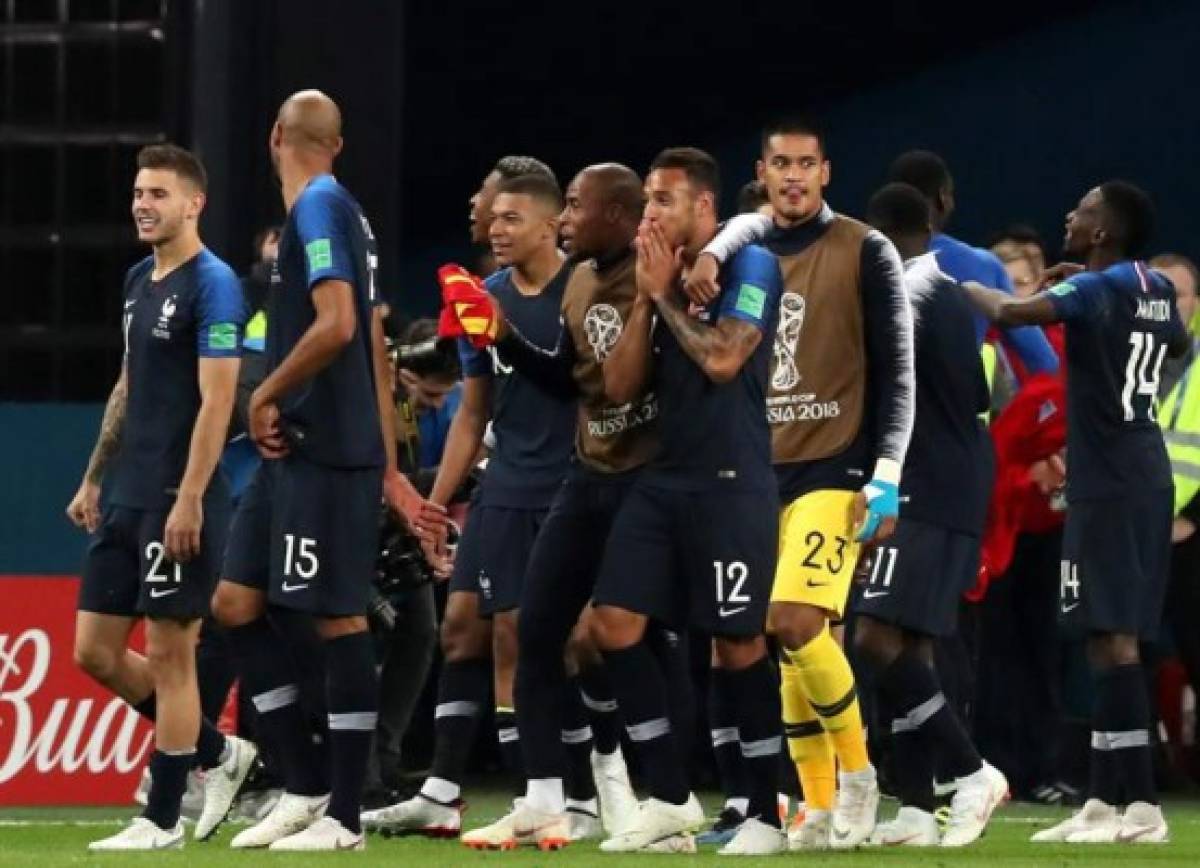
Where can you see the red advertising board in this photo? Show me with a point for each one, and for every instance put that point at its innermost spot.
(64, 740)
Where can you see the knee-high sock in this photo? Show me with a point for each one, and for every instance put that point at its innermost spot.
(595, 688)
(268, 676)
(168, 780)
(726, 744)
(828, 684)
(577, 743)
(352, 695)
(808, 743)
(756, 694)
(463, 688)
(641, 692)
(914, 692)
(671, 651)
(1122, 769)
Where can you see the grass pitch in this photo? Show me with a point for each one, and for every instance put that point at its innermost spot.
(59, 836)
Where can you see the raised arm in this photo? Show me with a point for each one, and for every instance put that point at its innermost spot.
(701, 286)
(1008, 310)
(627, 368)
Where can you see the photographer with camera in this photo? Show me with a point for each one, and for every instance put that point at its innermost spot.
(403, 608)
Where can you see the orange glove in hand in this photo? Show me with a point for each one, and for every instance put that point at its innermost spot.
(467, 309)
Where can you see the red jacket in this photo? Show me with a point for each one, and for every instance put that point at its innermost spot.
(1031, 428)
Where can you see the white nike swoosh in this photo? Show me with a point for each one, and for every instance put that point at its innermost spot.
(155, 593)
(867, 595)
(288, 588)
(726, 613)
(130, 304)
(1070, 608)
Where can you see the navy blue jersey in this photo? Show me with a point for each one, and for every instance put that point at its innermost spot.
(195, 311)
(534, 430)
(333, 419)
(717, 433)
(1119, 323)
(948, 469)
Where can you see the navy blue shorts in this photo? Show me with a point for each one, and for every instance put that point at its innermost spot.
(704, 560)
(126, 571)
(1116, 558)
(493, 555)
(248, 555)
(308, 535)
(917, 577)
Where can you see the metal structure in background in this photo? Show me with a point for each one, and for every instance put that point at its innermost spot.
(84, 85)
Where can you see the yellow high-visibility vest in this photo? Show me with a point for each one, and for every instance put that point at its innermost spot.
(1179, 418)
(987, 354)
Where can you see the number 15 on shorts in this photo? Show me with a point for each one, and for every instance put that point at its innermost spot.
(299, 559)
(732, 596)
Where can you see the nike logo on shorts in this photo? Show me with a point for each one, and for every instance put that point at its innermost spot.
(289, 588)
(868, 595)
(728, 613)
(155, 593)
(813, 584)
(1066, 610)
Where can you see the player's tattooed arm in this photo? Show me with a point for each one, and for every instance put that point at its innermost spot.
(720, 350)
(109, 439)
(1008, 310)
(84, 508)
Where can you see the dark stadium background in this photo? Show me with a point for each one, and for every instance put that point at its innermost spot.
(1029, 101)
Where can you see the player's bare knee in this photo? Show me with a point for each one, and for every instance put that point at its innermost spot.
(235, 606)
(614, 629)
(795, 625)
(170, 651)
(582, 652)
(880, 643)
(736, 654)
(97, 659)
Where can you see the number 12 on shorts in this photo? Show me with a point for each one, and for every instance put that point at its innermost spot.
(731, 580)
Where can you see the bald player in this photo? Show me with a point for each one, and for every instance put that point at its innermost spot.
(613, 440)
(303, 542)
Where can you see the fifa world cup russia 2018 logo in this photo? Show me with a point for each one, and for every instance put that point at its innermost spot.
(784, 374)
(602, 325)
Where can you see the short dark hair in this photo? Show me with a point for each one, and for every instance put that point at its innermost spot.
(260, 237)
(751, 197)
(924, 170)
(1016, 233)
(1130, 215)
(1178, 260)
(794, 125)
(420, 350)
(175, 159)
(898, 209)
(541, 187)
(699, 166)
(514, 166)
